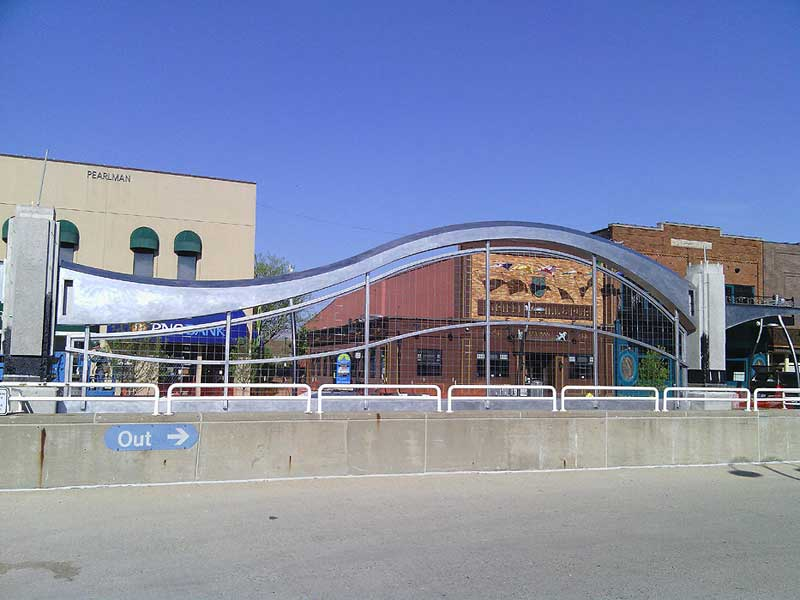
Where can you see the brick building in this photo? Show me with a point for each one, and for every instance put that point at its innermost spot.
(547, 302)
(755, 271)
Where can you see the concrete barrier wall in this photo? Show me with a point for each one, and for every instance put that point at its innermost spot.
(40, 451)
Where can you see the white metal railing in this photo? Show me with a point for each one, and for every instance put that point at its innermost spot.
(552, 394)
(345, 387)
(792, 401)
(305, 394)
(592, 390)
(678, 393)
(84, 398)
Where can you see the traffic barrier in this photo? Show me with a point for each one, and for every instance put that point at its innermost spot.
(678, 393)
(304, 388)
(552, 394)
(67, 395)
(345, 387)
(782, 391)
(593, 389)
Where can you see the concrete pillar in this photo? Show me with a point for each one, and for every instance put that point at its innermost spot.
(28, 293)
(705, 348)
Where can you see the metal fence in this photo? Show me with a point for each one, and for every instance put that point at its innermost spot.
(716, 395)
(610, 392)
(494, 392)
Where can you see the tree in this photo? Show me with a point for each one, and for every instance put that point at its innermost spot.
(653, 371)
(264, 331)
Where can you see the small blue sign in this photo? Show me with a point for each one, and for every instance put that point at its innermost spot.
(152, 436)
(343, 368)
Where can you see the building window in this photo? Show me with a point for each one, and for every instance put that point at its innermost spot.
(429, 363)
(499, 364)
(5, 229)
(739, 294)
(144, 244)
(187, 267)
(68, 240)
(581, 366)
(189, 247)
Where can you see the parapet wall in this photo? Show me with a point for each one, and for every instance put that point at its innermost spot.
(41, 451)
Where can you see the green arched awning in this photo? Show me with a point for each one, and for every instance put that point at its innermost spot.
(68, 233)
(188, 242)
(144, 238)
(5, 229)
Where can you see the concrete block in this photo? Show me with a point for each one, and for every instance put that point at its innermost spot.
(779, 436)
(541, 444)
(704, 440)
(386, 446)
(20, 449)
(471, 444)
(640, 441)
(253, 450)
(77, 455)
(590, 442)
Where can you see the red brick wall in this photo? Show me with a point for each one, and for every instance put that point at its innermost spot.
(742, 258)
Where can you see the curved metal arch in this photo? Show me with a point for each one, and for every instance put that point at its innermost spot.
(100, 297)
(404, 268)
(375, 344)
(738, 314)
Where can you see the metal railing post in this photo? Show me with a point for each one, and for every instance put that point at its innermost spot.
(85, 367)
(366, 332)
(293, 323)
(227, 357)
(676, 350)
(487, 360)
(595, 351)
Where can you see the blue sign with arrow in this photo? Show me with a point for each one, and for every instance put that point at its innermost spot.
(151, 436)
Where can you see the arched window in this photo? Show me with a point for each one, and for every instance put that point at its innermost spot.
(144, 243)
(188, 247)
(68, 240)
(5, 229)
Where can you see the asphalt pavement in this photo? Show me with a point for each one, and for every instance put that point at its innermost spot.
(712, 532)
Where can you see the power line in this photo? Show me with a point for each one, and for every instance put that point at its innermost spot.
(327, 221)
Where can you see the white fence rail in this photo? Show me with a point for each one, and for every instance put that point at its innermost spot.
(591, 392)
(67, 387)
(346, 387)
(779, 395)
(304, 396)
(552, 395)
(699, 394)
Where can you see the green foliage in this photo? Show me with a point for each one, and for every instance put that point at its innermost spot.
(269, 265)
(653, 371)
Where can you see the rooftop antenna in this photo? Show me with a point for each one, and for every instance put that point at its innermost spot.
(41, 185)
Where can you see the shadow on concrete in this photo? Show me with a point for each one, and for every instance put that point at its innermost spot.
(742, 473)
(776, 471)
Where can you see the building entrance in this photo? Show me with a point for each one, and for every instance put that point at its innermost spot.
(539, 368)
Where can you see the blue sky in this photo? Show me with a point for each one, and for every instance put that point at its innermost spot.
(363, 121)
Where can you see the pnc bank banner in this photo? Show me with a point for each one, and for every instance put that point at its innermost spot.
(174, 327)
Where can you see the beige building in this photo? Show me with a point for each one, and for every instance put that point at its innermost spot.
(148, 223)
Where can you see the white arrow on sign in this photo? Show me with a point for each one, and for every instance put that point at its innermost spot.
(181, 436)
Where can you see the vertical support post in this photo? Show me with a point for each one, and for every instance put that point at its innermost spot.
(366, 333)
(293, 324)
(791, 347)
(677, 330)
(68, 369)
(595, 345)
(85, 368)
(487, 361)
(68, 360)
(227, 358)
